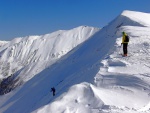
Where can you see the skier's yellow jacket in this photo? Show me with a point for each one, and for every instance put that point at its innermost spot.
(123, 37)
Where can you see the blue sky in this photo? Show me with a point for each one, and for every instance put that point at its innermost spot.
(19, 18)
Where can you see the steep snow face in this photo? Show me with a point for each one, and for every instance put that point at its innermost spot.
(92, 78)
(40, 51)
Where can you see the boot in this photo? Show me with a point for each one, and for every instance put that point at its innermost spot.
(124, 55)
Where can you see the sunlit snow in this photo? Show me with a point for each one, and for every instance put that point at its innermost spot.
(85, 66)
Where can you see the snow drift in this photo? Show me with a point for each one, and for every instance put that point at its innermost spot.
(76, 98)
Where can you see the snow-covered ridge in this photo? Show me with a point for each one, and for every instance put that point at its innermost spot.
(2, 43)
(92, 78)
(130, 18)
(140, 17)
(46, 49)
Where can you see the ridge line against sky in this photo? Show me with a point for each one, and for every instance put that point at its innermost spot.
(19, 18)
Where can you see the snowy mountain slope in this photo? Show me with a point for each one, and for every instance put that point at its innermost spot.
(93, 78)
(54, 76)
(40, 51)
(122, 83)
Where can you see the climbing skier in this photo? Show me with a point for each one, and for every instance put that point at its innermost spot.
(125, 40)
(53, 90)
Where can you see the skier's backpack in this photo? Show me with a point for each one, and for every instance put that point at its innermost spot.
(126, 38)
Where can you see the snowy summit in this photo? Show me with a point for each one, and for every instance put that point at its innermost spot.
(85, 67)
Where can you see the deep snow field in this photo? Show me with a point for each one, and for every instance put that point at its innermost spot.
(84, 65)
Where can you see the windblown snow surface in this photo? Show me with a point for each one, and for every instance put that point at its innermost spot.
(85, 67)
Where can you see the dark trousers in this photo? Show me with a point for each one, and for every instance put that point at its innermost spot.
(53, 93)
(125, 48)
